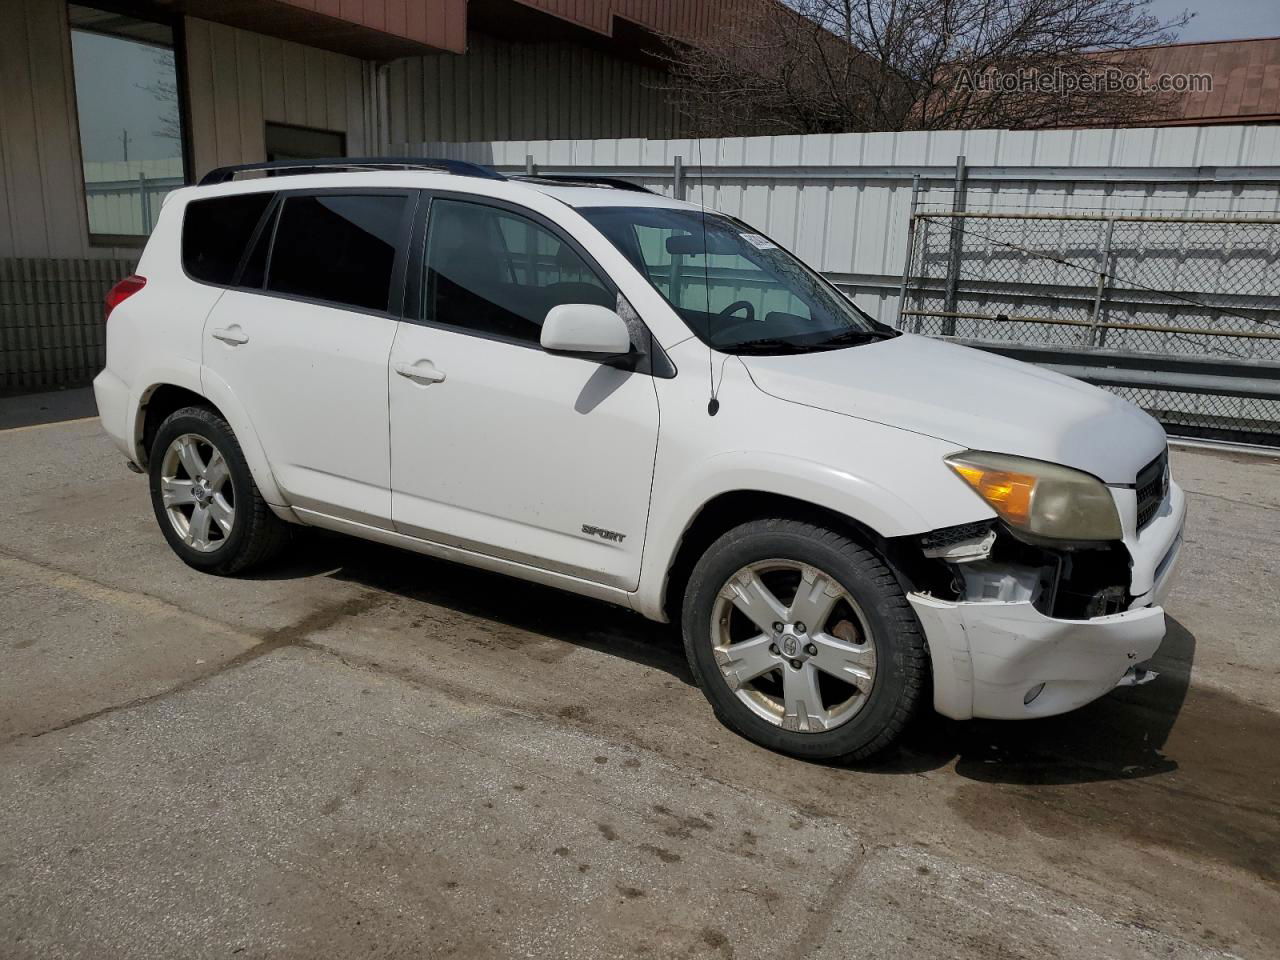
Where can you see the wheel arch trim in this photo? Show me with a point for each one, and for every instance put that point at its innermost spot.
(209, 386)
(868, 505)
(182, 375)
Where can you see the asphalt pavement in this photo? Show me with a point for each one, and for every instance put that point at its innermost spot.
(364, 752)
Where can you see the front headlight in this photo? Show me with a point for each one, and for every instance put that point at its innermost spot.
(1044, 499)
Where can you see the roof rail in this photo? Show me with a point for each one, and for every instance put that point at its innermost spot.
(571, 178)
(329, 164)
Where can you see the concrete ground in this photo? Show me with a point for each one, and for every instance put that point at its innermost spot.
(365, 752)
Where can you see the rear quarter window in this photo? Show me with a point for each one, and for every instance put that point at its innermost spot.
(215, 233)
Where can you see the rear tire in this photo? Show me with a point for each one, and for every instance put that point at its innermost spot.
(861, 656)
(204, 497)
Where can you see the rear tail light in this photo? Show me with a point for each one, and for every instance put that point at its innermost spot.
(122, 291)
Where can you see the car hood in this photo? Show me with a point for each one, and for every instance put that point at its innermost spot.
(974, 399)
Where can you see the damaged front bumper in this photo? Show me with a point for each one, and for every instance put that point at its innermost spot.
(1008, 660)
(991, 659)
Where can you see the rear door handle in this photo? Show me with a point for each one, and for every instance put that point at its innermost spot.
(232, 335)
(422, 371)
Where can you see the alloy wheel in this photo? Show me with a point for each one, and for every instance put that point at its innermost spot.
(793, 645)
(195, 487)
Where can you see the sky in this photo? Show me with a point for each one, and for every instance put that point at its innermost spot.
(116, 80)
(1222, 19)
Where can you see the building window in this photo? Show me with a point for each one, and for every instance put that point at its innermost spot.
(131, 136)
(286, 142)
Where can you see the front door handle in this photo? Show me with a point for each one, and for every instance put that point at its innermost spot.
(232, 335)
(423, 371)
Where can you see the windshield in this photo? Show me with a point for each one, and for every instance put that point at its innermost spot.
(737, 290)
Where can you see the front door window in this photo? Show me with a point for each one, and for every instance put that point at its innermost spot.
(496, 272)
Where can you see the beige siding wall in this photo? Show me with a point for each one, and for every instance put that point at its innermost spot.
(514, 91)
(41, 188)
(240, 81)
(51, 279)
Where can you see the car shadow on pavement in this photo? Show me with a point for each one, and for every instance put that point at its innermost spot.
(490, 596)
(1119, 737)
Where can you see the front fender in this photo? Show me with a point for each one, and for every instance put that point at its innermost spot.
(871, 503)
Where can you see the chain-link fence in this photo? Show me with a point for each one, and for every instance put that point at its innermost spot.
(1149, 295)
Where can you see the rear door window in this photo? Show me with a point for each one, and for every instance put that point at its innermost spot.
(215, 233)
(339, 248)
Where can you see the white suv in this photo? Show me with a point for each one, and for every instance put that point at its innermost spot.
(587, 385)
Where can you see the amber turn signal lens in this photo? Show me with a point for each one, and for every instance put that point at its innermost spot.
(1008, 493)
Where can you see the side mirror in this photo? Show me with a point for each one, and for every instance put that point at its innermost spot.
(585, 329)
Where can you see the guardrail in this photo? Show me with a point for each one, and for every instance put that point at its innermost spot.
(1173, 389)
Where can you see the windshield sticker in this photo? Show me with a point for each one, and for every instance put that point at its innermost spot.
(759, 242)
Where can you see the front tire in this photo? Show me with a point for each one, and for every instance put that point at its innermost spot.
(803, 641)
(208, 507)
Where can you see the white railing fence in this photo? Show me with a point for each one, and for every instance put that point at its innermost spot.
(1155, 251)
(124, 197)
(843, 202)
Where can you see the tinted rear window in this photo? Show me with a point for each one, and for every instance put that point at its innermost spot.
(337, 248)
(215, 233)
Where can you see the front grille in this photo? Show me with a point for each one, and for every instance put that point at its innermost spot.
(950, 536)
(1152, 488)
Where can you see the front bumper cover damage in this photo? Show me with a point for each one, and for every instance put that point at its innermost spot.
(1019, 630)
(988, 657)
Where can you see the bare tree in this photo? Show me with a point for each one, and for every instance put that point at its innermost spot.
(823, 66)
(163, 87)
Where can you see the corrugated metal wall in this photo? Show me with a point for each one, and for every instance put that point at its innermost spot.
(502, 90)
(239, 81)
(51, 329)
